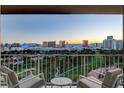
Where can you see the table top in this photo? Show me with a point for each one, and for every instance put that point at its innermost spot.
(61, 81)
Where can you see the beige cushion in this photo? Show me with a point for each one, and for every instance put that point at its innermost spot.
(93, 73)
(31, 82)
(85, 83)
(110, 77)
(11, 75)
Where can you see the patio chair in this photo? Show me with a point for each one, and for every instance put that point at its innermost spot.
(111, 80)
(30, 81)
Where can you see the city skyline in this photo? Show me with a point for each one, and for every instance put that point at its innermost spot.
(72, 28)
(58, 42)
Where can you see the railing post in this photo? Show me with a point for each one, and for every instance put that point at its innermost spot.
(64, 65)
(118, 61)
(68, 65)
(72, 66)
(109, 62)
(38, 64)
(42, 64)
(92, 63)
(46, 68)
(13, 63)
(96, 61)
(114, 60)
(105, 63)
(81, 64)
(26, 63)
(101, 59)
(77, 65)
(8, 61)
(84, 66)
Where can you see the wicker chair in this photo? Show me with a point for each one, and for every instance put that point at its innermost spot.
(30, 81)
(110, 80)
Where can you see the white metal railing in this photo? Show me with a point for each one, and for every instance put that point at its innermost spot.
(56, 65)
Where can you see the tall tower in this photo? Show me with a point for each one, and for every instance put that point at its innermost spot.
(85, 43)
(61, 43)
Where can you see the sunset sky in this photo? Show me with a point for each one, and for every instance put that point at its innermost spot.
(70, 27)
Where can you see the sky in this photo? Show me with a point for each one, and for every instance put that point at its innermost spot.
(72, 28)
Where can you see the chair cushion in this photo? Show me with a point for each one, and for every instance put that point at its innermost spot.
(31, 82)
(93, 73)
(11, 75)
(110, 77)
(85, 83)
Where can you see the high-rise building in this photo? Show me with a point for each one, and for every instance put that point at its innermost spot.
(61, 43)
(45, 44)
(114, 44)
(85, 43)
(111, 43)
(52, 44)
(119, 44)
(1, 48)
(49, 44)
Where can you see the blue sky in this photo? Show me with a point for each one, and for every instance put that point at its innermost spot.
(73, 27)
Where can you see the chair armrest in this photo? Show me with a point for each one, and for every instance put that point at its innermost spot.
(41, 74)
(95, 80)
(81, 76)
(27, 70)
(90, 79)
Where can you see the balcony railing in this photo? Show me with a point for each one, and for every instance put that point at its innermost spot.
(56, 65)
